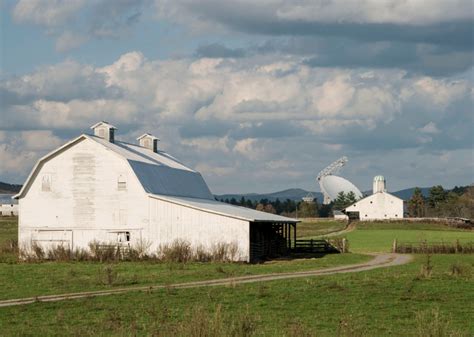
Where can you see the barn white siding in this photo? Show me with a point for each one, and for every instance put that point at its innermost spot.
(108, 191)
(79, 190)
(170, 221)
(378, 206)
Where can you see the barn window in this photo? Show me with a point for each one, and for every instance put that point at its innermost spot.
(366, 215)
(123, 237)
(121, 183)
(371, 202)
(46, 183)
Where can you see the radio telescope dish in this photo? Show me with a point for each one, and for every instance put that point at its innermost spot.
(333, 185)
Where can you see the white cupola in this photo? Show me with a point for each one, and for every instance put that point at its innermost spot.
(104, 130)
(149, 141)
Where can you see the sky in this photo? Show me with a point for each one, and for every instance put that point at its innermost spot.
(258, 96)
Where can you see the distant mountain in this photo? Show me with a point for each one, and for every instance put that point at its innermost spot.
(298, 193)
(408, 192)
(292, 194)
(9, 188)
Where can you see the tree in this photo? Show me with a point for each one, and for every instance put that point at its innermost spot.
(269, 209)
(416, 204)
(350, 198)
(437, 195)
(260, 207)
(341, 201)
(325, 211)
(307, 209)
(249, 204)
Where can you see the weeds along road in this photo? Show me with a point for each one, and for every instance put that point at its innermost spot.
(379, 261)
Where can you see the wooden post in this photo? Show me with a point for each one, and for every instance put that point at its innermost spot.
(344, 245)
(394, 246)
(294, 235)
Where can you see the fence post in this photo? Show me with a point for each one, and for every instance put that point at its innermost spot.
(344, 248)
(394, 246)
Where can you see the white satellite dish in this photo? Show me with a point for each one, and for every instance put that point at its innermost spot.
(333, 185)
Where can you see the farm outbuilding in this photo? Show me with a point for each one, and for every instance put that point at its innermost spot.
(8, 209)
(96, 188)
(381, 205)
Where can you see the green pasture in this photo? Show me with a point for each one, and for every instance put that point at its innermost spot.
(378, 237)
(397, 301)
(26, 279)
(314, 227)
(432, 296)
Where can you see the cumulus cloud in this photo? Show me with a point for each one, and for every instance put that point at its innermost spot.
(253, 116)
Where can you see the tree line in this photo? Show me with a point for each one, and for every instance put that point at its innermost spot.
(292, 208)
(459, 202)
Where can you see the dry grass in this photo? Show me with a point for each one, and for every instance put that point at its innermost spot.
(178, 252)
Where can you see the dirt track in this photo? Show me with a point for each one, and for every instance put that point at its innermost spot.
(379, 261)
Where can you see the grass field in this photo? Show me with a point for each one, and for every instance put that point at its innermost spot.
(378, 237)
(387, 302)
(311, 227)
(34, 279)
(419, 299)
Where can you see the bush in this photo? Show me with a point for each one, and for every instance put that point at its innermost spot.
(179, 251)
(426, 268)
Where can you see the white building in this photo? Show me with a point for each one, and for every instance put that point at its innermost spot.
(95, 188)
(8, 209)
(378, 206)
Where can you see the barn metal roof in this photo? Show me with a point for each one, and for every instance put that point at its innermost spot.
(217, 207)
(158, 172)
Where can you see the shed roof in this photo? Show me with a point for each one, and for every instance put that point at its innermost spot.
(217, 207)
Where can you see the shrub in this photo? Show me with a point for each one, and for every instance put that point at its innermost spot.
(426, 268)
(179, 251)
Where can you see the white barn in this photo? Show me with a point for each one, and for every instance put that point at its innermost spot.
(378, 206)
(95, 188)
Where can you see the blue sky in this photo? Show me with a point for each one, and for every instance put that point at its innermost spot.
(258, 96)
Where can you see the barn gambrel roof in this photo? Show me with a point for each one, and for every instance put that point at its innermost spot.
(158, 173)
(162, 176)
